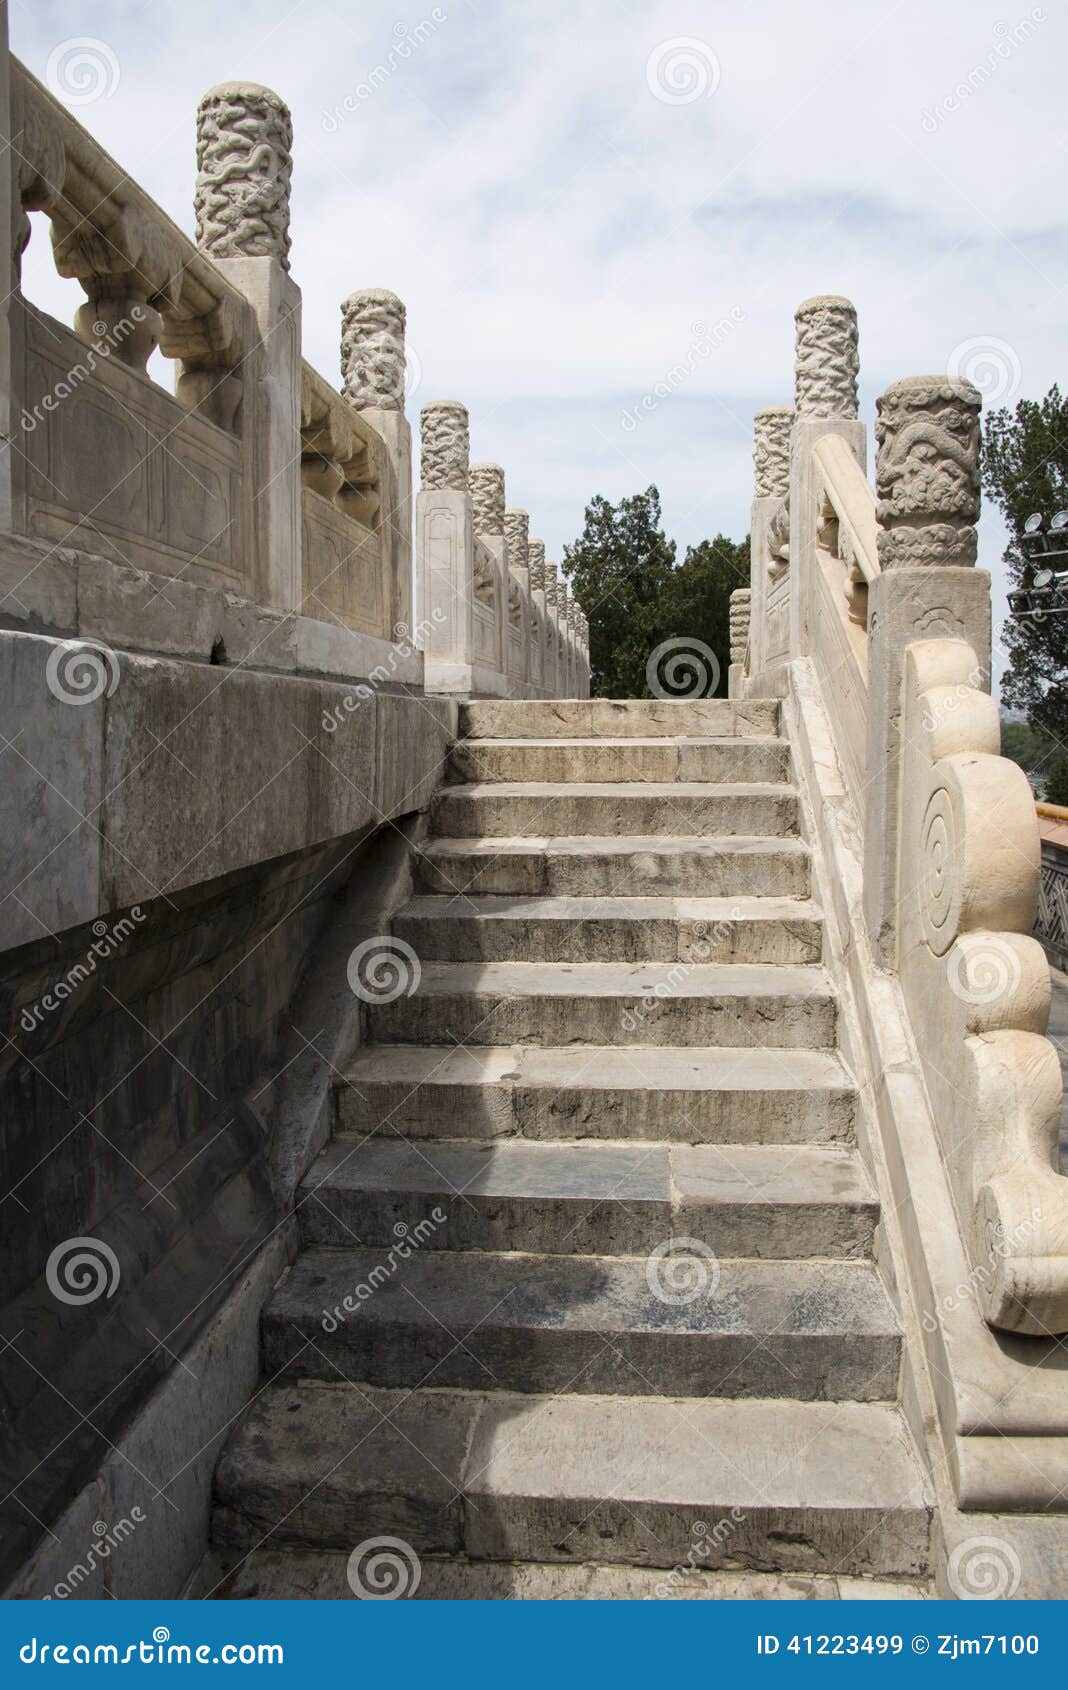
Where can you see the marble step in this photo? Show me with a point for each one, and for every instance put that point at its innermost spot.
(640, 866)
(600, 718)
(784, 1487)
(607, 808)
(688, 1326)
(495, 928)
(698, 759)
(765, 1201)
(281, 1575)
(627, 1004)
(687, 1095)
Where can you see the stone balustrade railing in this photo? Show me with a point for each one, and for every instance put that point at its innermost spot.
(493, 624)
(256, 480)
(868, 617)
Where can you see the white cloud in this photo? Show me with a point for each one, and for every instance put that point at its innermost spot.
(556, 230)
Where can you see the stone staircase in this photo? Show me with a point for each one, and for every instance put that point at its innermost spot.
(638, 1326)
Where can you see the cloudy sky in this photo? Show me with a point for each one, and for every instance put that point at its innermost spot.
(577, 198)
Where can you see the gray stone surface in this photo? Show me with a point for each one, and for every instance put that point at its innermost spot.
(603, 1003)
(498, 928)
(616, 718)
(655, 865)
(741, 1200)
(815, 1488)
(281, 1575)
(512, 809)
(597, 760)
(583, 1323)
(732, 1096)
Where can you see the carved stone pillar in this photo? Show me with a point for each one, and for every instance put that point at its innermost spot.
(769, 531)
(553, 678)
(445, 538)
(244, 166)
(739, 636)
(927, 504)
(825, 383)
(563, 605)
(539, 595)
(493, 588)
(373, 366)
(517, 536)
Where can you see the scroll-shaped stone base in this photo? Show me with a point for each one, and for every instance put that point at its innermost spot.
(977, 986)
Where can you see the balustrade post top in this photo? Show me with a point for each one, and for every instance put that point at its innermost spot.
(373, 322)
(825, 302)
(826, 360)
(485, 483)
(771, 451)
(927, 472)
(244, 168)
(445, 445)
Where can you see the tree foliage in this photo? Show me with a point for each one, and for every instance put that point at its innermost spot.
(1025, 469)
(623, 571)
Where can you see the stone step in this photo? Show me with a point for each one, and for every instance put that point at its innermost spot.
(512, 809)
(787, 1487)
(285, 1575)
(692, 1326)
(690, 1096)
(764, 1201)
(580, 867)
(488, 928)
(557, 1003)
(713, 759)
(628, 718)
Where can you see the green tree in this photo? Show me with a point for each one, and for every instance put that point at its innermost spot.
(623, 572)
(1057, 782)
(1025, 469)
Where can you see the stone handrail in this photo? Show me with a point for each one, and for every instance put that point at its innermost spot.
(889, 622)
(113, 238)
(257, 480)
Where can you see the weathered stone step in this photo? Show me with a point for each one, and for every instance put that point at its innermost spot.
(628, 718)
(814, 1330)
(768, 1486)
(511, 809)
(488, 928)
(590, 1198)
(732, 1096)
(557, 1003)
(723, 759)
(579, 867)
(282, 1575)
